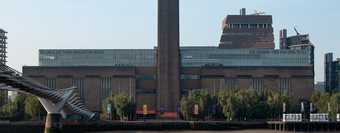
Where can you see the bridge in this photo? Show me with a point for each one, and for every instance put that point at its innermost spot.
(55, 101)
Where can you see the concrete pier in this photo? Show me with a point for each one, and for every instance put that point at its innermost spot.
(53, 123)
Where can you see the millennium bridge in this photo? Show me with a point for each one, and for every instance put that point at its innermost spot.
(55, 101)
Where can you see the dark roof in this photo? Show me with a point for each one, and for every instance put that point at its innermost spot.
(249, 19)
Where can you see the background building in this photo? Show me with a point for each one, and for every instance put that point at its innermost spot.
(332, 73)
(250, 62)
(3, 57)
(298, 41)
(247, 31)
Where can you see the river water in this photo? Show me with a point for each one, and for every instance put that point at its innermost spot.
(241, 131)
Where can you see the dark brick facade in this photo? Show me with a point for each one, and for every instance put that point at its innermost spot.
(141, 84)
(247, 31)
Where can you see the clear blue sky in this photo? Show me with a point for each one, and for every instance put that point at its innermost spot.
(109, 24)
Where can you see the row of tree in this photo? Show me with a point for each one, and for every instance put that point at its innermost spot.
(240, 105)
(23, 107)
(326, 103)
(119, 107)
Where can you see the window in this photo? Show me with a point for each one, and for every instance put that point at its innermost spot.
(261, 26)
(253, 26)
(190, 77)
(285, 85)
(79, 83)
(244, 25)
(236, 25)
(258, 85)
(51, 83)
(231, 84)
(105, 88)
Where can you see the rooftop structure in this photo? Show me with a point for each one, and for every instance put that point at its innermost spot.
(298, 41)
(247, 31)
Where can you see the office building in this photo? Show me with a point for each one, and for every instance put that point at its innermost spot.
(332, 73)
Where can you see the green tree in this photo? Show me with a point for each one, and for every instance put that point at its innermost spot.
(205, 104)
(275, 102)
(321, 100)
(335, 105)
(33, 108)
(185, 108)
(125, 108)
(229, 103)
(109, 101)
(248, 99)
(14, 110)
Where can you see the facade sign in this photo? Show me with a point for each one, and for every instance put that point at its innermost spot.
(292, 118)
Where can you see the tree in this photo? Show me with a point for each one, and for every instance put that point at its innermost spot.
(33, 108)
(321, 100)
(228, 102)
(122, 107)
(125, 108)
(335, 105)
(14, 110)
(248, 99)
(275, 102)
(109, 101)
(205, 104)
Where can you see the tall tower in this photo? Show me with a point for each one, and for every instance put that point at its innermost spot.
(329, 73)
(168, 56)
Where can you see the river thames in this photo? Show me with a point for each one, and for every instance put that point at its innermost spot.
(240, 131)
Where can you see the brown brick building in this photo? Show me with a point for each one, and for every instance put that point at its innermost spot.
(247, 31)
(159, 77)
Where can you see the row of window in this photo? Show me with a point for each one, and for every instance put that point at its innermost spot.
(256, 84)
(251, 26)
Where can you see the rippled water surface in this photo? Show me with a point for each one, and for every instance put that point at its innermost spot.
(243, 131)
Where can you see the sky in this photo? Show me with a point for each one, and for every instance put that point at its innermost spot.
(129, 24)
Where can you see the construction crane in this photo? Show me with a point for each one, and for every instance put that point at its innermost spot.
(297, 32)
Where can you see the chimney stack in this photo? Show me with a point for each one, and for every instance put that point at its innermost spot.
(243, 12)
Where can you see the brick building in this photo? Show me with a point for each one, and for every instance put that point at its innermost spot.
(159, 77)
